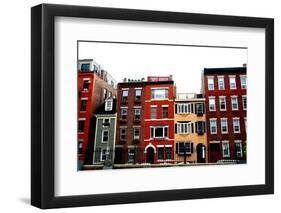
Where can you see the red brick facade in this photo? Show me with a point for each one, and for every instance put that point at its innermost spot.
(236, 140)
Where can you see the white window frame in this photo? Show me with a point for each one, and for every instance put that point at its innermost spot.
(103, 131)
(122, 113)
(245, 123)
(213, 133)
(220, 100)
(123, 91)
(134, 133)
(163, 136)
(232, 77)
(101, 154)
(221, 79)
(228, 150)
(243, 86)
(153, 107)
(209, 79)
(244, 97)
(236, 98)
(212, 98)
(184, 127)
(224, 132)
(160, 98)
(136, 90)
(137, 109)
(236, 119)
(241, 148)
(184, 108)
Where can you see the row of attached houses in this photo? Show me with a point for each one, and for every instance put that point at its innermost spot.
(147, 122)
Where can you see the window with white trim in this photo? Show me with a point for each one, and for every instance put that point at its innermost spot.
(238, 149)
(212, 104)
(234, 103)
(104, 154)
(221, 82)
(168, 153)
(124, 112)
(243, 80)
(211, 85)
(159, 131)
(161, 93)
(125, 94)
(184, 147)
(109, 104)
(184, 127)
(236, 125)
(165, 111)
(137, 113)
(137, 94)
(224, 129)
(160, 153)
(105, 136)
(153, 112)
(136, 132)
(213, 126)
(244, 101)
(123, 134)
(222, 103)
(81, 126)
(131, 155)
(232, 82)
(225, 149)
(83, 106)
(86, 84)
(184, 108)
(245, 120)
(106, 122)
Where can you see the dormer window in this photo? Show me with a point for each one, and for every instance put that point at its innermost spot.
(109, 104)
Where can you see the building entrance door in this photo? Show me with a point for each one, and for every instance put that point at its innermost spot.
(214, 152)
(150, 155)
(201, 153)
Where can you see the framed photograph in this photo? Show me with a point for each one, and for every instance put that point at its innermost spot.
(134, 106)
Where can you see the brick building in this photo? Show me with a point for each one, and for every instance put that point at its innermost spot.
(94, 86)
(190, 128)
(226, 105)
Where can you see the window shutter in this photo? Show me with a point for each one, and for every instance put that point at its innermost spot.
(196, 126)
(192, 128)
(195, 108)
(176, 129)
(204, 126)
(176, 108)
(191, 145)
(177, 148)
(191, 108)
(203, 106)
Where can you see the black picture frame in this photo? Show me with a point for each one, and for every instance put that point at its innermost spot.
(43, 105)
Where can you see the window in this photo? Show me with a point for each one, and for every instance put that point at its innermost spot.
(184, 108)
(159, 131)
(222, 103)
(164, 111)
(85, 67)
(159, 93)
(232, 82)
(224, 129)
(131, 155)
(199, 109)
(212, 104)
(221, 83)
(136, 133)
(153, 112)
(83, 106)
(211, 85)
(245, 120)
(234, 103)
(104, 93)
(109, 94)
(244, 101)
(243, 80)
(184, 147)
(137, 113)
(80, 146)
(168, 153)
(106, 122)
(124, 112)
(160, 152)
(86, 84)
(225, 149)
(103, 156)
(125, 94)
(236, 125)
(238, 149)
(200, 127)
(105, 136)
(138, 94)
(109, 104)
(213, 126)
(184, 128)
(81, 125)
(123, 134)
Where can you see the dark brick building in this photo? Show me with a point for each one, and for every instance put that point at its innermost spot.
(225, 90)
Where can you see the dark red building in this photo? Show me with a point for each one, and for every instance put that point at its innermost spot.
(159, 120)
(225, 90)
(129, 128)
(94, 86)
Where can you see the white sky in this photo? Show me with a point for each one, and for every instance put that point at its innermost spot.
(185, 63)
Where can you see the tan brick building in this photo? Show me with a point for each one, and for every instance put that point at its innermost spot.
(190, 129)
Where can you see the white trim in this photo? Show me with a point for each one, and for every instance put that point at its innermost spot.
(153, 106)
(166, 105)
(137, 88)
(236, 97)
(238, 125)
(232, 77)
(137, 107)
(150, 145)
(81, 119)
(124, 107)
(215, 107)
(102, 134)
(224, 103)
(159, 88)
(84, 98)
(224, 119)
(86, 79)
(168, 145)
(213, 119)
(228, 148)
(159, 145)
(125, 88)
(214, 141)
